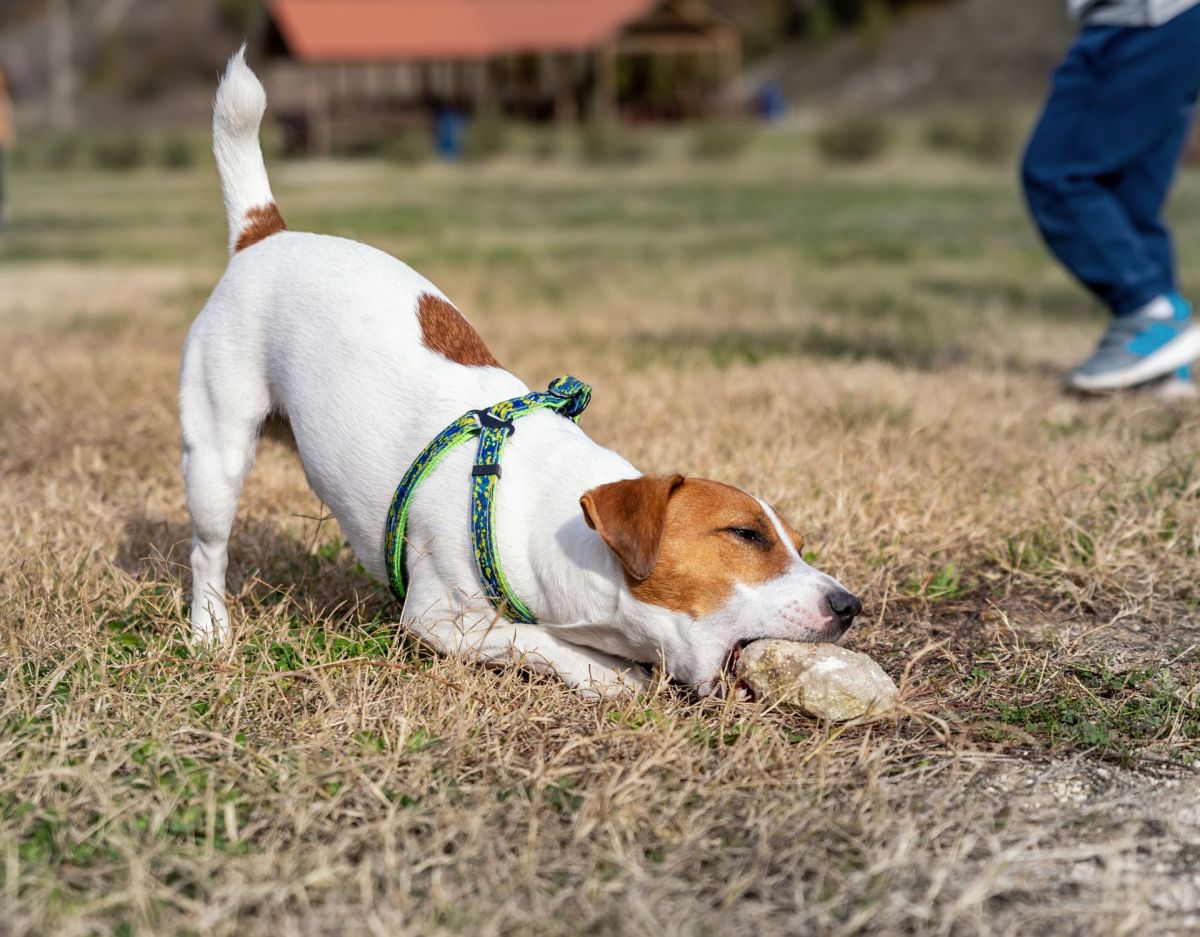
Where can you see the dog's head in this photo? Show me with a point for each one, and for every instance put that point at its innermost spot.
(710, 569)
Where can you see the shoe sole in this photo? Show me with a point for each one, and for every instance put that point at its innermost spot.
(1181, 350)
(1175, 389)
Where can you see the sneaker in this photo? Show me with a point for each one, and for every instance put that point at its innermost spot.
(1179, 386)
(1148, 344)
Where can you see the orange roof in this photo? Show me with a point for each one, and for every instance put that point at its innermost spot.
(340, 30)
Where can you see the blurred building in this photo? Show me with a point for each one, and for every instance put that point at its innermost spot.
(343, 70)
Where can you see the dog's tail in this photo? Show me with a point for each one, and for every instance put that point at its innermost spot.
(237, 115)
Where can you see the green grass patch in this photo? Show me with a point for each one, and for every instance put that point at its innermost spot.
(944, 584)
(1118, 713)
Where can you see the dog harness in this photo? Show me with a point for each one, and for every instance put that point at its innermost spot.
(566, 396)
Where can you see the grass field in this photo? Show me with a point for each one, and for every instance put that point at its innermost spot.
(874, 349)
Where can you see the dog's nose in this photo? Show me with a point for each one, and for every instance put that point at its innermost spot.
(844, 607)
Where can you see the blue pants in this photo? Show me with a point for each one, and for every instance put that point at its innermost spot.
(1100, 163)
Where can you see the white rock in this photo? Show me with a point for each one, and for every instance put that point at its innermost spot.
(823, 680)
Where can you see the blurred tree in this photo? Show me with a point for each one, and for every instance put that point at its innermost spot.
(103, 19)
(819, 26)
(242, 17)
(820, 18)
(874, 20)
(60, 63)
(764, 24)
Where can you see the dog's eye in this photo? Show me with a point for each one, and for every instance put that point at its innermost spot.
(749, 534)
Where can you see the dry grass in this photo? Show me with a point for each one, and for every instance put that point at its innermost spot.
(874, 350)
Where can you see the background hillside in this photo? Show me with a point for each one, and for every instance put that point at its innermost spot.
(965, 51)
(145, 61)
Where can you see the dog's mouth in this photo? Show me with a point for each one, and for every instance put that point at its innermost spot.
(729, 668)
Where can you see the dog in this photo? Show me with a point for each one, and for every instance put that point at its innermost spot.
(367, 360)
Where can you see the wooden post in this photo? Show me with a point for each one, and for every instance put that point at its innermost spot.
(483, 87)
(373, 87)
(566, 108)
(729, 63)
(424, 81)
(60, 54)
(604, 101)
(316, 107)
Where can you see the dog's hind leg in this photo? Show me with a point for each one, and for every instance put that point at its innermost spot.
(221, 410)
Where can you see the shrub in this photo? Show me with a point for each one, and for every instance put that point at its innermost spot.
(362, 148)
(177, 153)
(411, 146)
(719, 141)
(64, 151)
(485, 137)
(605, 142)
(119, 154)
(546, 145)
(858, 139)
(986, 139)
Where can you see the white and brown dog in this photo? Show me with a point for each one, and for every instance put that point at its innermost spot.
(368, 361)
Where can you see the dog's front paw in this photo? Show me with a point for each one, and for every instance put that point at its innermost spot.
(612, 684)
(209, 625)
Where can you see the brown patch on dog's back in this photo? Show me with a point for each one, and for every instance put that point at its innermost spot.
(261, 223)
(445, 330)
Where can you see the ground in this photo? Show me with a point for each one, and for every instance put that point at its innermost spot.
(875, 349)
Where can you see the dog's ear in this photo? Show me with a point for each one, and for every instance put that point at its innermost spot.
(630, 516)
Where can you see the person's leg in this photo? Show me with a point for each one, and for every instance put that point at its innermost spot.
(1142, 191)
(1117, 100)
(1, 188)
(1096, 175)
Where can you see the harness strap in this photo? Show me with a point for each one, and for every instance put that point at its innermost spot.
(567, 396)
(485, 481)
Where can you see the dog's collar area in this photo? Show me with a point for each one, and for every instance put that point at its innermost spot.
(566, 396)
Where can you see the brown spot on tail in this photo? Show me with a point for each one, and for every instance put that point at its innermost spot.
(261, 223)
(446, 331)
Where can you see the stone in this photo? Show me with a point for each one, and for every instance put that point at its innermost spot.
(823, 680)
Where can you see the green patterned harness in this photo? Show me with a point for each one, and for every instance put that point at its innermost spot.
(566, 396)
